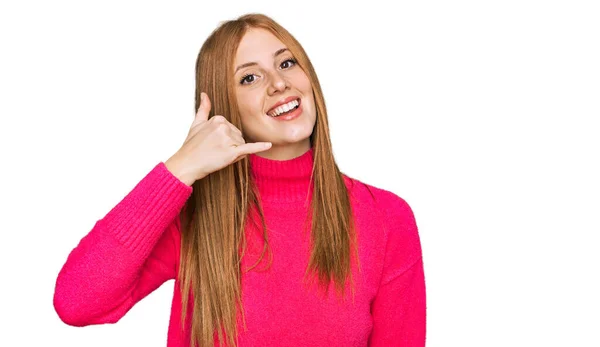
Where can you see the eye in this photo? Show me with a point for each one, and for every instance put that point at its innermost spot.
(291, 59)
(246, 78)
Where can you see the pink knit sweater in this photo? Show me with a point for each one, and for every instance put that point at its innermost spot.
(135, 248)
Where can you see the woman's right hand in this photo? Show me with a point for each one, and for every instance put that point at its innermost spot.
(210, 146)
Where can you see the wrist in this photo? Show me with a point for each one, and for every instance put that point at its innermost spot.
(173, 166)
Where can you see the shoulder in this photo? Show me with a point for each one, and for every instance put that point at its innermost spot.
(402, 241)
(391, 203)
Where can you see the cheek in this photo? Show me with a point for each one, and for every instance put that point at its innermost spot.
(248, 105)
(250, 114)
(303, 82)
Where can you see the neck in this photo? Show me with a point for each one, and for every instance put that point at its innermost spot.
(286, 151)
(285, 180)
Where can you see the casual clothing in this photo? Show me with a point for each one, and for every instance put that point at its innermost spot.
(135, 248)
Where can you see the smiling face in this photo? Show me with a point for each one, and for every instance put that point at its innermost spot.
(266, 73)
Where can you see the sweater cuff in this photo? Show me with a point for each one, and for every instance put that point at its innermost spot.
(141, 217)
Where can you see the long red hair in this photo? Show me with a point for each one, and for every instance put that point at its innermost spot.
(213, 219)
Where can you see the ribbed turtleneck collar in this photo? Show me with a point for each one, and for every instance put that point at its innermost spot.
(283, 180)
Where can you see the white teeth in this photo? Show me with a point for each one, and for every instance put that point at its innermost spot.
(284, 108)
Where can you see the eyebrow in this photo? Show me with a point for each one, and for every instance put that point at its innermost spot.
(278, 52)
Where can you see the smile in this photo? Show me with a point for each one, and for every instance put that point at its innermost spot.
(285, 108)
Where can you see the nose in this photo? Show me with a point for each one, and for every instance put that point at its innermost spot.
(278, 83)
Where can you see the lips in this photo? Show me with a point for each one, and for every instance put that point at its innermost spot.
(283, 102)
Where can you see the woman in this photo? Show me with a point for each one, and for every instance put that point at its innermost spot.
(256, 175)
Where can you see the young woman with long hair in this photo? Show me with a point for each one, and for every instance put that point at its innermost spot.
(249, 214)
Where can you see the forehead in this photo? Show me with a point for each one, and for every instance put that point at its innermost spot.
(256, 45)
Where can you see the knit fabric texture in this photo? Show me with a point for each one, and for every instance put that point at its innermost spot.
(135, 248)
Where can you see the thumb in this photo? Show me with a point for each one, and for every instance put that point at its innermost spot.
(203, 109)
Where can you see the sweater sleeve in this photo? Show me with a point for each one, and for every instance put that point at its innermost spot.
(128, 254)
(399, 308)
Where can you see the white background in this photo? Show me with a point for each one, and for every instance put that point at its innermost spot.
(482, 115)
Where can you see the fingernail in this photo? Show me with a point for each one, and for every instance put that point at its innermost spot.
(202, 96)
